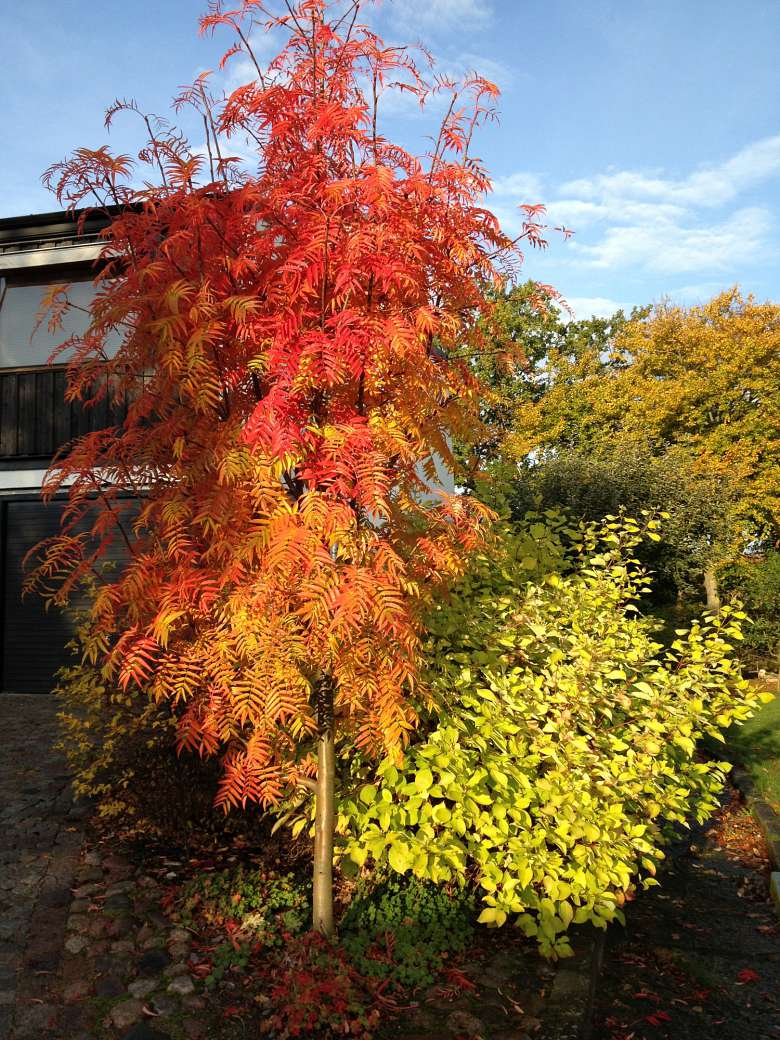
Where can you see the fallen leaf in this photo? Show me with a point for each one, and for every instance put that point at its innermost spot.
(747, 975)
(657, 1018)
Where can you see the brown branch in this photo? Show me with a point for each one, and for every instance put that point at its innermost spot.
(251, 54)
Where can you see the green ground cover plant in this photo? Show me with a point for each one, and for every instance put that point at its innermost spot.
(256, 911)
(756, 747)
(402, 930)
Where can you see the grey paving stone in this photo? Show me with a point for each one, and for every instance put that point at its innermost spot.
(38, 850)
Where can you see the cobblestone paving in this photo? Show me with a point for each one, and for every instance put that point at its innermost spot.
(40, 838)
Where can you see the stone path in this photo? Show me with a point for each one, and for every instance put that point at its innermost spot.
(40, 838)
(85, 953)
(700, 958)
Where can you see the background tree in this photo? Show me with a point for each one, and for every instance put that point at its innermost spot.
(700, 524)
(683, 398)
(295, 341)
(705, 378)
(755, 580)
(530, 319)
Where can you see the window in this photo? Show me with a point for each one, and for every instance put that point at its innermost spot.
(20, 304)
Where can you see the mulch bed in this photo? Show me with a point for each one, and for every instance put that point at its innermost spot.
(130, 972)
(699, 960)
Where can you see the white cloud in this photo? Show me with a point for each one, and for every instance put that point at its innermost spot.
(593, 306)
(713, 185)
(265, 47)
(403, 104)
(624, 220)
(440, 14)
(668, 248)
(647, 221)
(522, 186)
(579, 213)
(696, 293)
(466, 63)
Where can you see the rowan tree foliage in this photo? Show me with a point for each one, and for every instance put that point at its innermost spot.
(294, 338)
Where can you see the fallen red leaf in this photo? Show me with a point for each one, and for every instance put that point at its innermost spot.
(747, 975)
(700, 995)
(455, 977)
(658, 1017)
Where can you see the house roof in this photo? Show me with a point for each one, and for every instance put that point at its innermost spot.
(48, 239)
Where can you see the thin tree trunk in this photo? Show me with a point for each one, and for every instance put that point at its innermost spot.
(322, 902)
(711, 589)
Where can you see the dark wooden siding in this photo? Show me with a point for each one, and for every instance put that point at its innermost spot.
(35, 419)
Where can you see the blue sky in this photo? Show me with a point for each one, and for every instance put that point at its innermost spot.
(650, 127)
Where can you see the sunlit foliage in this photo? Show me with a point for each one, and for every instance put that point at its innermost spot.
(295, 334)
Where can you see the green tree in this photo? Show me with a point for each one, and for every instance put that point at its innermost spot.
(670, 408)
(705, 379)
(700, 524)
(530, 327)
(755, 580)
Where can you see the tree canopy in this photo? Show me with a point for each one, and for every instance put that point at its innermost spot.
(295, 341)
(704, 379)
(700, 526)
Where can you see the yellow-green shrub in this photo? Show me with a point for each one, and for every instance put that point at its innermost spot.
(107, 736)
(121, 748)
(563, 746)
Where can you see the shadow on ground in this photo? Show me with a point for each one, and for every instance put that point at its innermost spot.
(700, 958)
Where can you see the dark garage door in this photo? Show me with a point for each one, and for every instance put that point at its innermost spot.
(34, 639)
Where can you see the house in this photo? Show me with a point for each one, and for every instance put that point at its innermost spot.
(35, 421)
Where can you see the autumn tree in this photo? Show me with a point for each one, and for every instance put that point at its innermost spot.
(700, 382)
(535, 320)
(294, 336)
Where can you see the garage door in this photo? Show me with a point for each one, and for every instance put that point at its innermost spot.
(34, 639)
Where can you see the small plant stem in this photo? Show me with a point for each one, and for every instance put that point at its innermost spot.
(322, 902)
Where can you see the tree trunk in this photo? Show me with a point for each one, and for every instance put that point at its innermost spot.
(711, 589)
(322, 902)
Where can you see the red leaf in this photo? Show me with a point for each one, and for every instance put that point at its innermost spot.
(747, 975)
(658, 1017)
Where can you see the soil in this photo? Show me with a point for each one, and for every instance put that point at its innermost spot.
(497, 993)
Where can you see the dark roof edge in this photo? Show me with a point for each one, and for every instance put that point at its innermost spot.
(57, 222)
